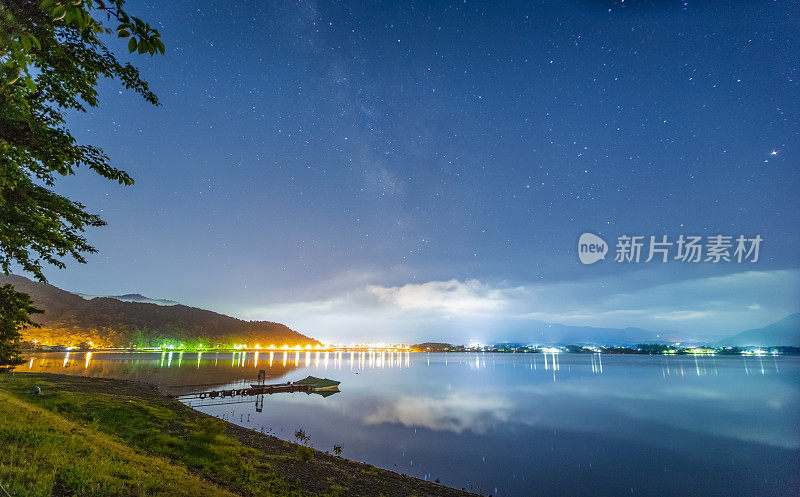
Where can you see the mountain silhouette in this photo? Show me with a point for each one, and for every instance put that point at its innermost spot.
(70, 319)
(783, 332)
(132, 297)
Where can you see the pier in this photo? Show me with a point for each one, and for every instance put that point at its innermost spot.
(245, 392)
(259, 389)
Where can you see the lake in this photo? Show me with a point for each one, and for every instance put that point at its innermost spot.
(512, 424)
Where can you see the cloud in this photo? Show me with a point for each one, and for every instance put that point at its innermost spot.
(716, 303)
(447, 297)
(682, 315)
(473, 310)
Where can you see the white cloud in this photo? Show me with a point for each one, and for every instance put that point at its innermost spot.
(448, 297)
(460, 311)
(682, 315)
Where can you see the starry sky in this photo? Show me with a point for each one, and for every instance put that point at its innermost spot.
(409, 170)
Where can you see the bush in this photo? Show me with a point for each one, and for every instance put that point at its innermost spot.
(304, 453)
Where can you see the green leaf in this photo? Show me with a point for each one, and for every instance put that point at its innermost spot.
(123, 34)
(59, 11)
(132, 45)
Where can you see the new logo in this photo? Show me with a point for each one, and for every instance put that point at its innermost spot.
(591, 248)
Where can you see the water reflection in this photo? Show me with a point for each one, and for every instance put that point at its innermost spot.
(166, 369)
(454, 412)
(515, 424)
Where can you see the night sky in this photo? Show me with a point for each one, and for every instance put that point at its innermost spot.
(396, 171)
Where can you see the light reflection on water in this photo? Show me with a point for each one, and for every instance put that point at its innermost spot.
(514, 424)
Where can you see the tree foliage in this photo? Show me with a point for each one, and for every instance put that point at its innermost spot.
(17, 309)
(52, 55)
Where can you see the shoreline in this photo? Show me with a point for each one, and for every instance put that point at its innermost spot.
(226, 458)
(656, 349)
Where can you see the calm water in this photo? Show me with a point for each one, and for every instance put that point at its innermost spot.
(516, 424)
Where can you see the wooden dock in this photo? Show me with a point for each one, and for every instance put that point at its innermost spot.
(246, 392)
(260, 388)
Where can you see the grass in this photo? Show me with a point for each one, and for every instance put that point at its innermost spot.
(69, 441)
(46, 454)
(99, 437)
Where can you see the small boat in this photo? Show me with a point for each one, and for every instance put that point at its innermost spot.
(318, 383)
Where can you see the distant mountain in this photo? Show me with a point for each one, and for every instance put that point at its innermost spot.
(544, 333)
(783, 332)
(560, 333)
(132, 297)
(112, 322)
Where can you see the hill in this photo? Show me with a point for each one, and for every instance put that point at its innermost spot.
(435, 347)
(109, 322)
(783, 332)
(132, 297)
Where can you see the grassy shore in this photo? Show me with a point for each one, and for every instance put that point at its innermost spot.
(99, 437)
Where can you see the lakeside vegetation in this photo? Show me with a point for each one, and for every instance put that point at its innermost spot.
(70, 439)
(47, 454)
(93, 437)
